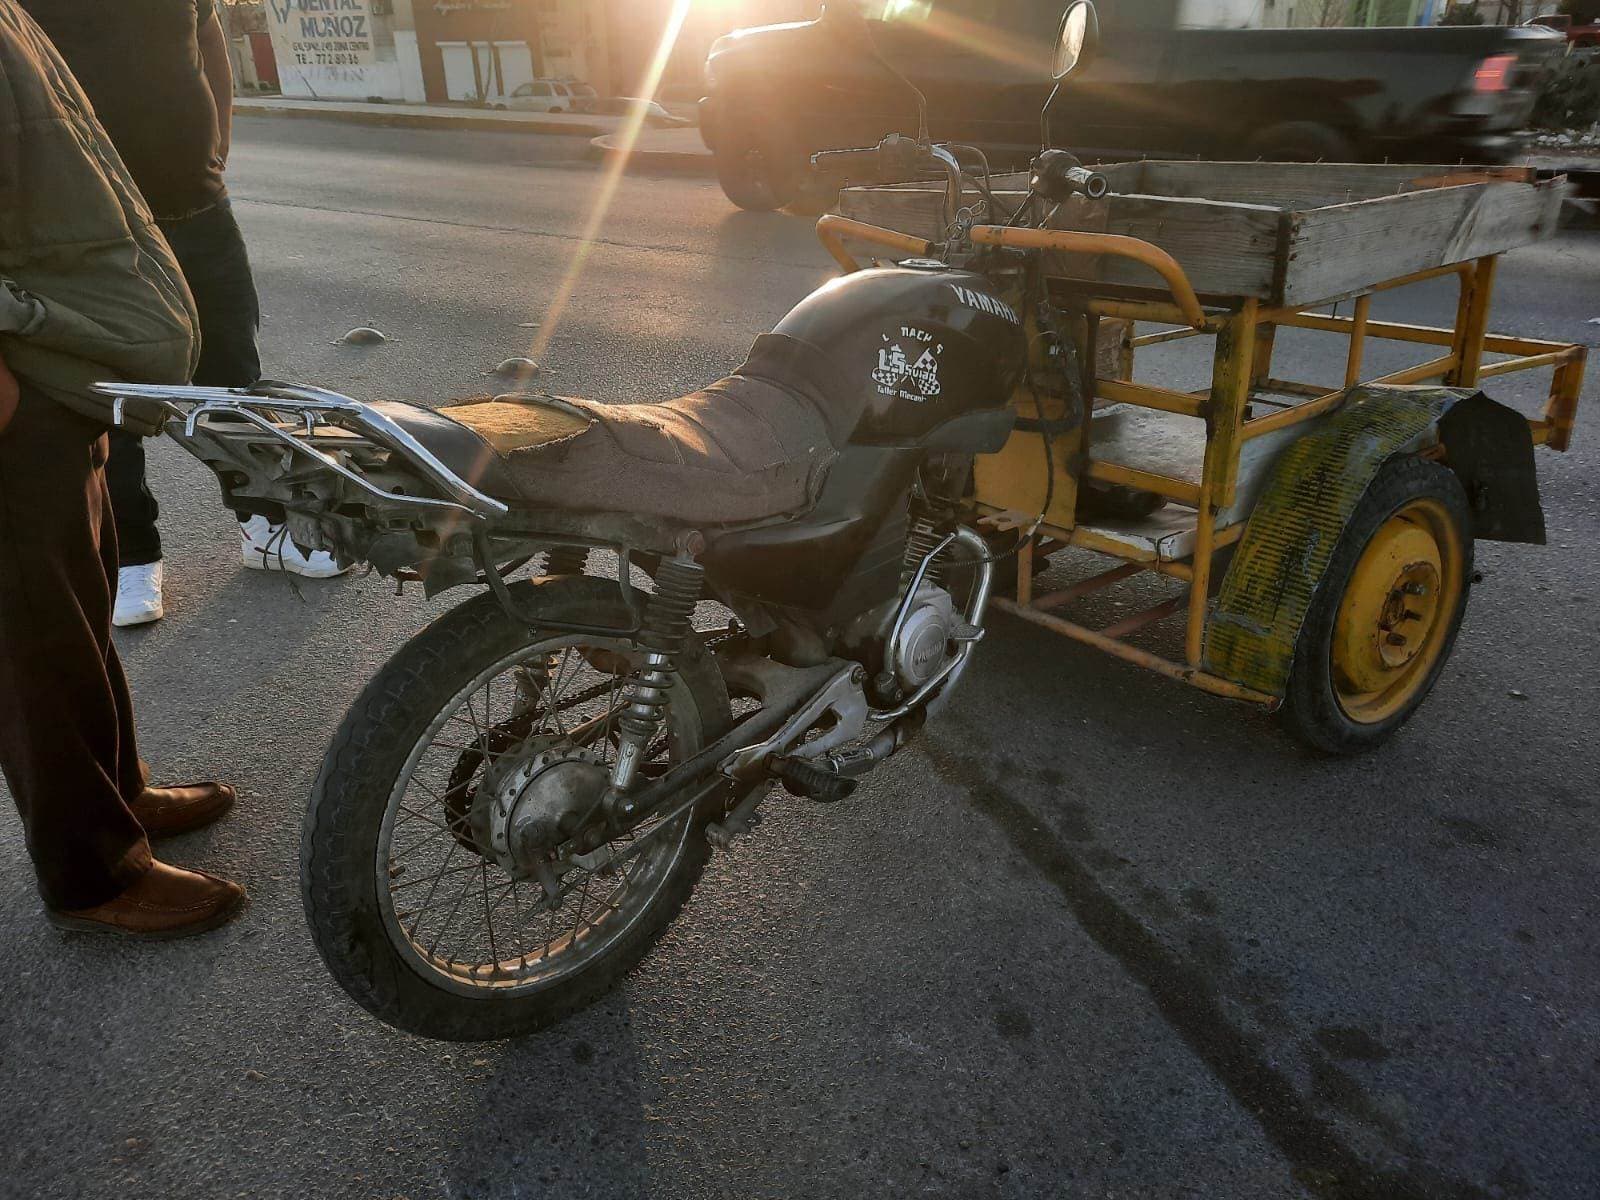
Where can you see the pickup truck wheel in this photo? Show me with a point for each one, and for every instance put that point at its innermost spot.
(750, 174)
(1300, 141)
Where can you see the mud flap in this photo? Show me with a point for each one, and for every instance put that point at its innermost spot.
(1314, 489)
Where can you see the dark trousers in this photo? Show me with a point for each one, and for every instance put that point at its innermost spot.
(66, 722)
(211, 251)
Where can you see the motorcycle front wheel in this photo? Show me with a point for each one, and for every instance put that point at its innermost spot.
(423, 928)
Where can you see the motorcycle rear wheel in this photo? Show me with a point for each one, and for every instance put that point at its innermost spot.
(358, 857)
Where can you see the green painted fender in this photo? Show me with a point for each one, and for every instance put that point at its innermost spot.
(1314, 488)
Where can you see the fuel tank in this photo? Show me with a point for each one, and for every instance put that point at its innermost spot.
(919, 346)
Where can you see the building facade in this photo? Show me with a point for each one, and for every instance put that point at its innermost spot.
(483, 50)
(474, 51)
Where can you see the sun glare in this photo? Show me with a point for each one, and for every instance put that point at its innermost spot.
(616, 165)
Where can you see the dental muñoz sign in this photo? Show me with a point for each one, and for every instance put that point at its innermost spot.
(321, 33)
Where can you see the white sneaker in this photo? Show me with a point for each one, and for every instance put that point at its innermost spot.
(138, 596)
(268, 547)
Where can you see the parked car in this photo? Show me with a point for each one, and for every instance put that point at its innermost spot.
(777, 94)
(584, 97)
(654, 114)
(1579, 35)
(545, 95)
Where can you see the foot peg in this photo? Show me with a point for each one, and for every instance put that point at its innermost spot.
(811, 782)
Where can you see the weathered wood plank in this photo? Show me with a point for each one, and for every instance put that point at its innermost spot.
(1283, 253)
(1340, 250)
(1305, 185)
(1225, 249)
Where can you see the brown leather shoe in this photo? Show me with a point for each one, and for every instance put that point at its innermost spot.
(165, 812)
(165, 902)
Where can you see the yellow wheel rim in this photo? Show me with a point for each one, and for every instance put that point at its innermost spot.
(1395, 616)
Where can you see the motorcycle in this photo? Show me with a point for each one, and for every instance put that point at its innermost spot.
(523, 798)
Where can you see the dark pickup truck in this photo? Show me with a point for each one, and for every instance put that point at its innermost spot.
(777, 94)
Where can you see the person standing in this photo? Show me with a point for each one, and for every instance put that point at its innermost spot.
(161, 82)
(89, 290)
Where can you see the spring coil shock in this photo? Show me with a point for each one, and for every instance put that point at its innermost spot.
(567, 560)
(668, 621)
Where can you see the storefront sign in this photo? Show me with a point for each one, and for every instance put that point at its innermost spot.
(321, 33)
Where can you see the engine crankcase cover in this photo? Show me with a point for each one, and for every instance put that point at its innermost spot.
(924, 643)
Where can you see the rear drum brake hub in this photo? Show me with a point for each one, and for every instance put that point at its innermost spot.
(533, 801)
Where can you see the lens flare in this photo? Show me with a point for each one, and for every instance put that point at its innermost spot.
(611, 178)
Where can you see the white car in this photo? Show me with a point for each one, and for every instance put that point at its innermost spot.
(547, 95)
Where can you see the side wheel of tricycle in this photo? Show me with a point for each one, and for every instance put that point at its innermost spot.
(1385, 617)
(438, 864)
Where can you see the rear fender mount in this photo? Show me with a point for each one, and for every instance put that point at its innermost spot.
(1314, 488)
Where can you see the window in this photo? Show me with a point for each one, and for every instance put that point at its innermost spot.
(525, 90)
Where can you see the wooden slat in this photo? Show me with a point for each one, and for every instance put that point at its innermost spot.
(1225, 249)
(1283, 233)
(1308, 185)
(1339, 250)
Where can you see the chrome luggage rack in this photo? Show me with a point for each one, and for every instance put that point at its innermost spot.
(262, 404)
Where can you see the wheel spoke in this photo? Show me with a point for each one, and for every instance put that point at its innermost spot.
(487, 934)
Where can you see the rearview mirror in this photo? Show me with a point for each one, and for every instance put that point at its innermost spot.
(1078, 39)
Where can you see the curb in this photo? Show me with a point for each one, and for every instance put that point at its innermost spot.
(414, 120)
(668, 161)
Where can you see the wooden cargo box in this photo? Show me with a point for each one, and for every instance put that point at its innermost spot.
(1286, 234)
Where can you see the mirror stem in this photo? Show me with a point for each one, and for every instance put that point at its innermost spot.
(1044, 117)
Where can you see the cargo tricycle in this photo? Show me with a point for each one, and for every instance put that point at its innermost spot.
(1321, 531)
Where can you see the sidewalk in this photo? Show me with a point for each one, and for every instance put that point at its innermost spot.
(679, 150)
(428, 116)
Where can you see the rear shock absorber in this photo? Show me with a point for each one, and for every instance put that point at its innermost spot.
(668, 623)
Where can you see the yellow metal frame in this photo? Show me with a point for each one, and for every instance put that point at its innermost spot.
(1241, 374)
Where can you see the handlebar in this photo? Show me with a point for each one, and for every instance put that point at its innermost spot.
(833, 229)
(836, 160)
(1075, 242)
(901, 159)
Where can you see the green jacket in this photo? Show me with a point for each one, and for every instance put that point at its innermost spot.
(89, 289)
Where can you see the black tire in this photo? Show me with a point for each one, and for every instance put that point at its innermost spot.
(359, 774)
(753, 172)
(813, 197)
(1301, 141)
(1313, 709)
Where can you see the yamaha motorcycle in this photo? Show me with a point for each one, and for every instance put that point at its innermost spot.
(522, 799)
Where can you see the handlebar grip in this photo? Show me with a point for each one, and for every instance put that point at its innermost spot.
(826, 159)
(1091, 183)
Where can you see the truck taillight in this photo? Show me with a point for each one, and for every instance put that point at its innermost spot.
(1494, 73)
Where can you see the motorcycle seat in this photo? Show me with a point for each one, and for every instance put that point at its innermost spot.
(752, 446)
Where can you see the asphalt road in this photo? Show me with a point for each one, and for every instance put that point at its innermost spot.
(1097, 936)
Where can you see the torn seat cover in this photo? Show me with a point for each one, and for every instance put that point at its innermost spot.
(754, 445)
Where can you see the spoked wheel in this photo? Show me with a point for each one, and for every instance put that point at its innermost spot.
(457, 875)
(1386, 616)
